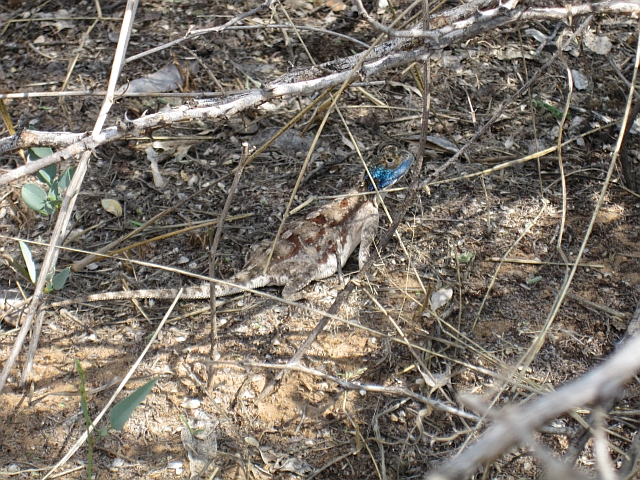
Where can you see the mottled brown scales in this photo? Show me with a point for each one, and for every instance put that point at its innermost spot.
(309, 249)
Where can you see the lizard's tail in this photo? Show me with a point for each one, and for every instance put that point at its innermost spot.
(190, 293)
(246, 278)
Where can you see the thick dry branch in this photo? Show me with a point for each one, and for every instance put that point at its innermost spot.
(436, 21)
(29, 138)
(397, 52)
(516, 424)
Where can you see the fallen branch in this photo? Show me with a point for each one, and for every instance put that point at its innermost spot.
(306, 81)
(515, 424)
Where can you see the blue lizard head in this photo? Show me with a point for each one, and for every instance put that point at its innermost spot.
(390, 165)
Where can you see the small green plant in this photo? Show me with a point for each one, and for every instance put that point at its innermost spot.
(465, 257)
(549, 108)
(87, 419)
(29, 271)
(119, 415)
(534, 280)
(192, 432)
(34, 196)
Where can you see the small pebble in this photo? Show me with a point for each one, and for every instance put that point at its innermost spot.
(191, 404)
(252, 441)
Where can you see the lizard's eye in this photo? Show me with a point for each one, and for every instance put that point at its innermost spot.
(389, 160)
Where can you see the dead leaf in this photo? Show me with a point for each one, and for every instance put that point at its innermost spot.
(293, 465)
(252, 441)
(441, 297)
(112, 206)
(597, 44)
(181, 152)
(580, 80)
(336, 5)
(168, 78)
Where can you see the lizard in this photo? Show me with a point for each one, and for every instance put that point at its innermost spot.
(312, 248)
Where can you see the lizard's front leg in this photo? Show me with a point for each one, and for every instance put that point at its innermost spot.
(367, 234)
(303, 276)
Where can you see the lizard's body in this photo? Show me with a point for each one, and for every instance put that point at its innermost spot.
(308, 249)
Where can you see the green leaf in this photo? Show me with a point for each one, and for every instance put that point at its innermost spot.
(39, 152)
(47, 174)
(80, 372)
(186, 424)
(465, 257)
(48, 209)
(28, 259)
(65, 179)
(36, 198)
(121, 412)
(54, 191)
(19, 268)
(136, 224)
(48, 288)
(60, 279)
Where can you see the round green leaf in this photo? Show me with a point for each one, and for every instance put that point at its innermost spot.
(465, 257)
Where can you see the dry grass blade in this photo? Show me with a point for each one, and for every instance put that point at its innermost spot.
(216, 241)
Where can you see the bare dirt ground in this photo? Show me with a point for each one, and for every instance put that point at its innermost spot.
(451, 240)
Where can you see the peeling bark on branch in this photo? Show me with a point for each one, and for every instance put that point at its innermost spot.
(31, 138)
